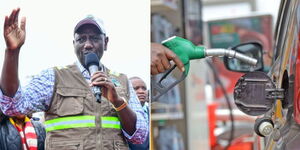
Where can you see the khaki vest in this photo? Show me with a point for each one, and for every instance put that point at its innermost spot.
(75, 120)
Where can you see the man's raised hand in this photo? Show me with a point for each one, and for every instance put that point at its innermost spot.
(14, 34)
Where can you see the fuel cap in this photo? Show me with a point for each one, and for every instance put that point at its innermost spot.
(251, 93)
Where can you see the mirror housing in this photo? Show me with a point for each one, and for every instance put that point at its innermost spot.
(252, 49)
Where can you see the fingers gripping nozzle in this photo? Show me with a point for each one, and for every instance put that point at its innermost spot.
(187, 51)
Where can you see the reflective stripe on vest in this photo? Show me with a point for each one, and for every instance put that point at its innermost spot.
(81, 122)
(110, 122)
(70, 122)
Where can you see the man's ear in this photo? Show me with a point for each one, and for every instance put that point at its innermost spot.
(106, 41)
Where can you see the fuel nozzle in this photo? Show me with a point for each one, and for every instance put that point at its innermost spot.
(187, 51)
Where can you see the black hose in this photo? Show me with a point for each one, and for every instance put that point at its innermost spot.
(217, 78)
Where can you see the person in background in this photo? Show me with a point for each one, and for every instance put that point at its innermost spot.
(74, 117)
(21, 133)
(142, 92)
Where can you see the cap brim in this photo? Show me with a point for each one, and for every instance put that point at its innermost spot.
(85, 22)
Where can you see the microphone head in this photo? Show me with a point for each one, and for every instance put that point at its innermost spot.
(91, 59)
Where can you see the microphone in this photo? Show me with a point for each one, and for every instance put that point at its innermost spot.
(92, 64)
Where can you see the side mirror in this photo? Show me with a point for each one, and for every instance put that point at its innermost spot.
(252, 49)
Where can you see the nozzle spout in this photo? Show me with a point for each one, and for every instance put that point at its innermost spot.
(230, 53)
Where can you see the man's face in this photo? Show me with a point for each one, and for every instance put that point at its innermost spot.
(141, 89)
(89, 39)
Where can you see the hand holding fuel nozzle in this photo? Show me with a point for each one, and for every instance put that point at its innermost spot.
(161, 57)
(187, 51)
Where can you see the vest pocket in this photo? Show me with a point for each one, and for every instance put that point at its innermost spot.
(67, 145)
(114, 144)
(119, 145)
(70, 101)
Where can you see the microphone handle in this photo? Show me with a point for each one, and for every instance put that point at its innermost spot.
(96, 89)
(97, 93)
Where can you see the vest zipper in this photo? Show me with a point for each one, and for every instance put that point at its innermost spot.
(98, 125)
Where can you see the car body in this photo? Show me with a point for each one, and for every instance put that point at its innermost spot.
(284, 74)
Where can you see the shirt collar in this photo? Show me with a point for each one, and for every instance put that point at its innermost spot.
(84, 71)
(81, 68)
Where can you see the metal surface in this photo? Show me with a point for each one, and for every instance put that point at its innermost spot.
(265, 128)
(230, 53)
(250, 93)
(161, 87)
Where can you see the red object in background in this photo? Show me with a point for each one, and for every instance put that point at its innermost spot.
(211, 108)
(297, 85)
(215, 30)
(242, 143)
(241, 146)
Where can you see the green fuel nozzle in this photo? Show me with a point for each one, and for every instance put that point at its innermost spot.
(187, 51)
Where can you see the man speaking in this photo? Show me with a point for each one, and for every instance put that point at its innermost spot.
(75, 119)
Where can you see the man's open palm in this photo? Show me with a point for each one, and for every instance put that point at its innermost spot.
(13, 34)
